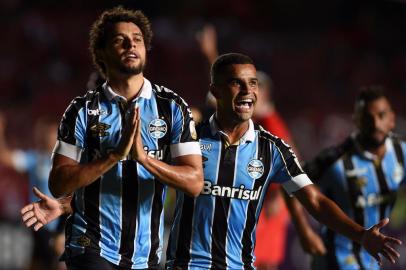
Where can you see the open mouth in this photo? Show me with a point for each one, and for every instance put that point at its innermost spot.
(244, 104)
(130, 56)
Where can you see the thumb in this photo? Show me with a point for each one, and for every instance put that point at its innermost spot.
(39, 194)
(382, 223)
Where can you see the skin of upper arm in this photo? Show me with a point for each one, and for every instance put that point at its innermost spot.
(309, 196)
(194, 161)
(55, 176)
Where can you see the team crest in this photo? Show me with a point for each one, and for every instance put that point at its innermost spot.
(361, 182)
(157, 128)
(255, 168)
(84, 241)
(100, 129)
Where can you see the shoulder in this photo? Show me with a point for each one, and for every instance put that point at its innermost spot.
(202, 128)
(267, 136)
(79, 102)
(329, 158)
(166, 94)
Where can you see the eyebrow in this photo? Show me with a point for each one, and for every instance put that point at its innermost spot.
(122, 34)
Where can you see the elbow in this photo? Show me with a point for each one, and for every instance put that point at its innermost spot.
(54, 189)
(55, 186)
(197, 185)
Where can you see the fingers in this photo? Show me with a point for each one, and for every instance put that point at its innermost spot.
(137, 113)
(377, 258)
(30, 222)
(389, 256)
(26, 208)
(28, 215)
(38, 226)
(381, 223)
(39, 194)
(391, 252)
(393, 240)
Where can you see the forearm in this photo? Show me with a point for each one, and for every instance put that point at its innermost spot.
(328, 213)
(186, 178)
(299, 218)
(66, 177)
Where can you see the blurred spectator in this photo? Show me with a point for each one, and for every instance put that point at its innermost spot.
(36, 163)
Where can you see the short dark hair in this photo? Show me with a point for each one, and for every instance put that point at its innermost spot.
(98, 31)
(225, 60)
(369, 94)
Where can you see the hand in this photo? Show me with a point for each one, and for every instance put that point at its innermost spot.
(128, 132)
(137, 151)
(207, 39)
(377, 243)
(41, 212)
(312, 243)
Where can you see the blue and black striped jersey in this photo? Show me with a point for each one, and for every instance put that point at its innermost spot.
(119, 216)
(364, 188)
(217, 229)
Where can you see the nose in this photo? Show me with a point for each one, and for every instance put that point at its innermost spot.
(129, 43)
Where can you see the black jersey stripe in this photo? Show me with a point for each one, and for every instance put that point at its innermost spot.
(398, 152)
(129, 203)
(354, 191)
(264, 153)
(183, 241)
(164, 112)
(332, 263)
(384, 189)
(157, 207)
(222, 207)
(128, 211)
(92, 191)
(285, 151)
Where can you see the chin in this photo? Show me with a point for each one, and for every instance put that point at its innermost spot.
(244, 116)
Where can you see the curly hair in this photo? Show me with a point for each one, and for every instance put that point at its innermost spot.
(99, 30)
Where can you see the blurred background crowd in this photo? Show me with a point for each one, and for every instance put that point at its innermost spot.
(318, 54)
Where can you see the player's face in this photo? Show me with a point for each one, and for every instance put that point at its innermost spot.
(376, 121)
(237, 93)
(125, 49)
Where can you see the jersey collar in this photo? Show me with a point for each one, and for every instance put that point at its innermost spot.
(145, 92)
(248, 136)
(366, 154)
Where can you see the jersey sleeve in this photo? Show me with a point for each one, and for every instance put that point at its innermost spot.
(403, 147)
(184, 139)
(288, 171)
(72, 131)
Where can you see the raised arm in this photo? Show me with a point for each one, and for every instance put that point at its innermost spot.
(327, 212)
(207, 39)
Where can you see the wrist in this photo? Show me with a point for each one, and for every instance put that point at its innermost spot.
(362, 238)
(115, 156)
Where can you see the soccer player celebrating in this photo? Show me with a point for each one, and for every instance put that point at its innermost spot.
(216, 230)
(362, 175)
(113, 152)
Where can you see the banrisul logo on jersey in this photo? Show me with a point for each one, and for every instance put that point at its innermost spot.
(157, 128)
(255, 168)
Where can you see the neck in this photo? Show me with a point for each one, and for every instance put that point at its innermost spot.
(368, 145)
(127, 86)
(235, 130)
